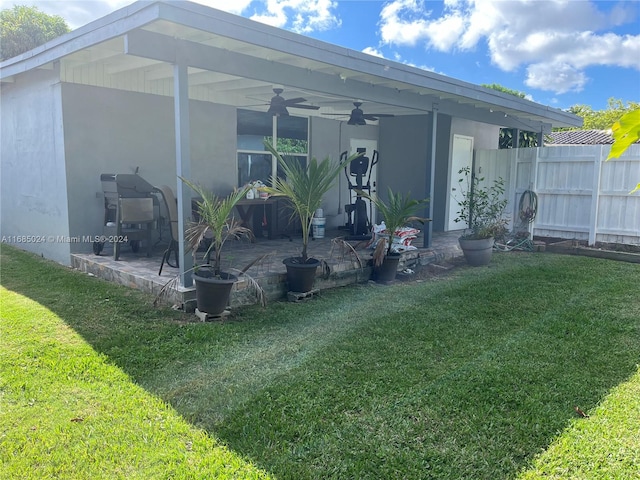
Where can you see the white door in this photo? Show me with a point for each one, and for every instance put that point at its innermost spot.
(370, 146)
(461, 157)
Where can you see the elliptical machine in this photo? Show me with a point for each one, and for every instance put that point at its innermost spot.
(358, 223)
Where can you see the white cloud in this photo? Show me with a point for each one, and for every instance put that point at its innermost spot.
(302, 16)
(555, 40)
(607, 49)
(558, 77)
(444, 33)
(401, 23)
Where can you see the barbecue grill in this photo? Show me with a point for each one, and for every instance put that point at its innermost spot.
(128, 212)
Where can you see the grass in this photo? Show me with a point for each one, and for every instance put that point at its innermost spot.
(67, 412)
(472, 376)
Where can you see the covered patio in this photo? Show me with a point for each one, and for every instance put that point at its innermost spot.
(139, 271)
(176, 89)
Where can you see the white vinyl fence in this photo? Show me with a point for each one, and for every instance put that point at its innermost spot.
(580, 195)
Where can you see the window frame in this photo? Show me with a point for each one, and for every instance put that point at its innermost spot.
(274, 136)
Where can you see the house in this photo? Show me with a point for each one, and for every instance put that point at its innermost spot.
(168, 89)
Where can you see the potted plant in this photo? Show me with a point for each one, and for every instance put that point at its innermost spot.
(304, 189)
(398, 211)
(482, 209)
(216, 224)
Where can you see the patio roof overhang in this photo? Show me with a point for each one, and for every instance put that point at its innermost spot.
(236, 61)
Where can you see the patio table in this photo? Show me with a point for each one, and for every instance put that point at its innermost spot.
(253, 216)
(249, 211)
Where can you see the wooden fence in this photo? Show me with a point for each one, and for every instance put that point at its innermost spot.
(580, 195)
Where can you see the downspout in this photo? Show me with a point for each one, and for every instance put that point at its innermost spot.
(428, 233)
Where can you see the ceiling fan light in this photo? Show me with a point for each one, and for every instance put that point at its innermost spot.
(278, 110)
(357, 118)
(357, 115)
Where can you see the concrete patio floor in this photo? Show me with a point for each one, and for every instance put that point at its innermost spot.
(139, 271)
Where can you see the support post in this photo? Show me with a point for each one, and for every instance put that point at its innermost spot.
(533, 185)
(183, 165)
(428, 231)
(595, 197)
(515, 141)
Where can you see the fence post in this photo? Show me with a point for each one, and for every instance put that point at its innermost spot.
(595, 198)
(533, 186)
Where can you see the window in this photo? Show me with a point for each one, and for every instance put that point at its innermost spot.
(291, 140)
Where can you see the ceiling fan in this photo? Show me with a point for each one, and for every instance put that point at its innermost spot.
(278, 105)
(358, 117)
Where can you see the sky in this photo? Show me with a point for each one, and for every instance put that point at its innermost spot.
(559, 53)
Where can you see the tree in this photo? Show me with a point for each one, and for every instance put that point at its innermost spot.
(626, 131)
(526, 139)
(500, 88)
(602, 119)
(23, 28)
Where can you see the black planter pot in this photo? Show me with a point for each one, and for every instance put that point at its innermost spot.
(212, 293)
(386, 271)
(477, 252)
(301, 275)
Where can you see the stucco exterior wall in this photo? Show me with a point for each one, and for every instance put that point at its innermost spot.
(404, 155)
(405, 150)
(485, 136)
(34, 187)
(111, 131)
(214, 159)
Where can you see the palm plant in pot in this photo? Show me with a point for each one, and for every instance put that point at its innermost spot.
(304, 189)
(215, 226)
(482, 209)
(398, 211)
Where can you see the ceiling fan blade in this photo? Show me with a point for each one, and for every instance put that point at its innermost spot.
(375, 116)
(291, 101)
(307, 107)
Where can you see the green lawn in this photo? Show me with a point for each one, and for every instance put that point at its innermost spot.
(475, 375)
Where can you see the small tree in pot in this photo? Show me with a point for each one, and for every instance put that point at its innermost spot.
(304, 189)
(482, 209)
(398, 211)
(215, 225)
